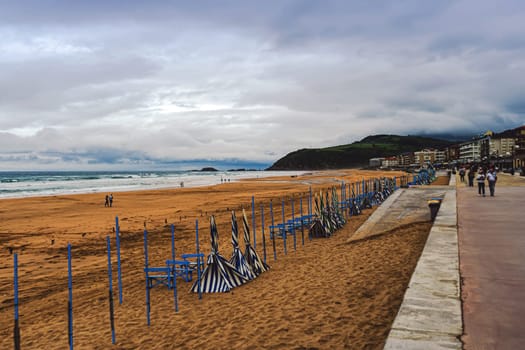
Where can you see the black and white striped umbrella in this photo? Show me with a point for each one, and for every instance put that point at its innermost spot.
(237, 258)
(219, 275)
(255, 262)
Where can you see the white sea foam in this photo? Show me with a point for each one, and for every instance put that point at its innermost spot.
(30, 184)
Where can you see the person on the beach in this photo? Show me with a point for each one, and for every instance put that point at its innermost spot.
(491, 179)
(481, 182)
(111, 200)
(471, 177)
(106, 204)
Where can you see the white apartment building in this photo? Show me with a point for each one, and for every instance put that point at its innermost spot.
(426, 156)
(470, 151)
(440, 156)
(390, 162)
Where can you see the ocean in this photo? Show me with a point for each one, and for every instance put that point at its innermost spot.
(49, 183)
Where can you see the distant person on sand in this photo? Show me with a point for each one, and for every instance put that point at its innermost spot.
(481, 182)
(106, 204)
(111, 200)
(470, 176)
(492, 178)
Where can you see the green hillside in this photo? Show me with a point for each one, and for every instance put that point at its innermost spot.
(356, 154)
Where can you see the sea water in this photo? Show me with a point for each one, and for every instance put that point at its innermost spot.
(48, 183)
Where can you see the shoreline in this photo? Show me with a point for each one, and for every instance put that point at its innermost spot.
(133, 181)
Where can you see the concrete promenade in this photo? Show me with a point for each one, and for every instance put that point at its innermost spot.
(492, 264)
(430, 315)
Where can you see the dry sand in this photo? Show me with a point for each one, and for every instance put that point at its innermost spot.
(326, 295)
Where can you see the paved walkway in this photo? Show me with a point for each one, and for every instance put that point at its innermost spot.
(492, 266)
(430, 315)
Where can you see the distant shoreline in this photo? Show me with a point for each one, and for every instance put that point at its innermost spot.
(25, 184)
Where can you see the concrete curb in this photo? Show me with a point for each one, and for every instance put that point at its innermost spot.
(430, 315)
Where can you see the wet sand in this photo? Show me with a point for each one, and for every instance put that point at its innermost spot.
(325, 295)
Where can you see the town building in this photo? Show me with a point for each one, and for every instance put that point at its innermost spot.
(451, 153)
(469, 151)
(440, 156)
(425, 156)
(519, 149)
(375, 162)
(502, 151)
(405, 159)
(390, 162)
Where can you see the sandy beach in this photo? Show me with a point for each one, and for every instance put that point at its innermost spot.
(325, 295)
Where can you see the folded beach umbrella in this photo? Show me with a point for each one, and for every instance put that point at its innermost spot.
(219, 275)
(355, 208)
(258, 266)
(237, 258)
(339, 218)
(319, 227)
(328, 216)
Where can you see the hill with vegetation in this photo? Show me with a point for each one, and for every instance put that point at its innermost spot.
(355, 154)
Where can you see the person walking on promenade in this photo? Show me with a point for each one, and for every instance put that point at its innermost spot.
(111, 199)
(481, 182)
(470, 177)
(106, 204)
(492, 178)
(462, 174)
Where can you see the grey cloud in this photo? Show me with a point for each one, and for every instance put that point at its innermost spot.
(516, 105)
(167, 82)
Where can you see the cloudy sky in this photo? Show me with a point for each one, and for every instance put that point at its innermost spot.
(159, 84)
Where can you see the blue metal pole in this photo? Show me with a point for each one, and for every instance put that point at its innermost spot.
(310, 212)
(284, 228)
(175, 297)
(111, 315)
(273, 231)
(343, 201)
(148, 306)
(342, 192)
(347, 199)
(310, 203)
(198, 259)
(172, 242)
(293, 227)
(119, 271)
(302, 219)
(262, 228)
(253, 223)
(349, 196)
(16, 334)
(70, 302)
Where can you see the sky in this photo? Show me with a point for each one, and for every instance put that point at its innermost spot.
(103, 85)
